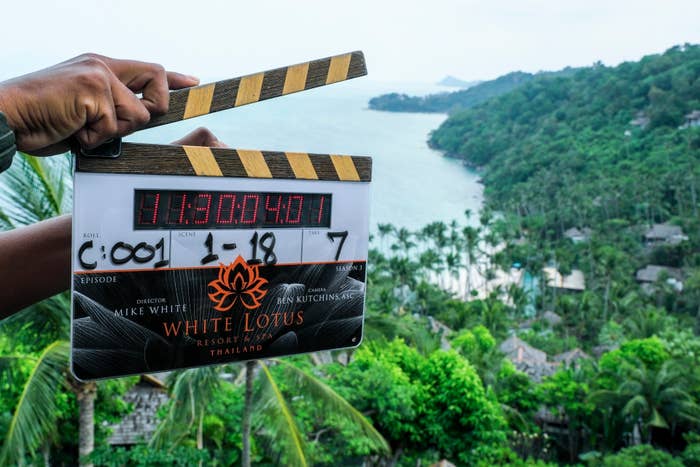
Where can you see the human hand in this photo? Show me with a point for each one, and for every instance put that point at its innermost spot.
(90, 97)
(200, 137)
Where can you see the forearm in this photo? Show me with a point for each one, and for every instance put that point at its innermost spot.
(34, 263)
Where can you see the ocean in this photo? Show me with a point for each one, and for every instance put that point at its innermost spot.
(412, 185)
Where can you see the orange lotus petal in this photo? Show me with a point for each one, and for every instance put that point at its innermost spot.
(237, 280)
(252, 274)
(224, 272)
(238, 284)
(218, 286)
(223, 301)
(251, 297)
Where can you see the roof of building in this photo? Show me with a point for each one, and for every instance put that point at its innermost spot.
(443, 463)
(537, 371)
(517, 350)
(146, 396)
(694, 115)
(599, 350)
(438, 327)
(571, 356)
(664, 232)
(640, 120)
(652, 272)
(551, 317)
(574, 281)
(576, 234)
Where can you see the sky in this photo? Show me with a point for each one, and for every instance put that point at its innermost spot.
(403, 41)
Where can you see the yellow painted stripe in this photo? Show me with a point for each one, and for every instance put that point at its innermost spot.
(199, 101)
(338, 70)
(301, 165)
(295, 80)
(203, 161)
(254, 163)
(345, 168)
(249, 89)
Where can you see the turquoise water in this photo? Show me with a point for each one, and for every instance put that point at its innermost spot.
(412, 184)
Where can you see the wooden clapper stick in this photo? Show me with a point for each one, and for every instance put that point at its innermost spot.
(137, 158)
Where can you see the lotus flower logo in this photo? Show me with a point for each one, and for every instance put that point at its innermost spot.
(237, 281)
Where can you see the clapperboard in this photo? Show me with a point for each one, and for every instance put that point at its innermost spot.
(186, 256)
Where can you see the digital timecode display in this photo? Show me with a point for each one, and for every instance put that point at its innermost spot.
(186, 210)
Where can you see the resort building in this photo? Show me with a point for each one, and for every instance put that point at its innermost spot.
(578, 236)
(531, 361)
(147, 396)
(575, 281)
(652, 273)
(664, 234)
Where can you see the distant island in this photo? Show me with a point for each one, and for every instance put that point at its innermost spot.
(453, 82)
(449, 102)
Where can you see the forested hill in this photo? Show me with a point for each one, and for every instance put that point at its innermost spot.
(606, 141)
(449, 102)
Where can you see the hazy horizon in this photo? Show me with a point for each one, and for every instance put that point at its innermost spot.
(411, 42)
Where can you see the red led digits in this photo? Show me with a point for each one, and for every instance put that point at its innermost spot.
(222, 201)
(177, 209)
(297, 217)
(320, 210)
(275, 209)
(149, 202)
(248, 210)
(202, 209)
(173, 213)
(182, 209)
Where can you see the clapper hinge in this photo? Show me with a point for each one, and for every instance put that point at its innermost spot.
(108, 150)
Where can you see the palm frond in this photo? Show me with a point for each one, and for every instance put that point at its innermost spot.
(49, 319)
(5, 221)
(35, 414)
(604, 397)
(514, 417)
(636, 406)
(657, 420)
(277, 420)
(34, 189)
(190, 390)
(50, 187)
(332, 403)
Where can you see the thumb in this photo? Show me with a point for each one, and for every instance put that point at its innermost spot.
(179, 81)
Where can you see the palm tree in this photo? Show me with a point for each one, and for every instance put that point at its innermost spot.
(651, 397)
(247, 412)
(404, 242)
(647, 322)
(268, 413)
(471, 243)
(328, 401)
(433, 264)
(493, 314)
(384, 231)
(190, 392)
(34, 417)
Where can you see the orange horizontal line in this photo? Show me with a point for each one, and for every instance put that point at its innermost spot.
(103, 271)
